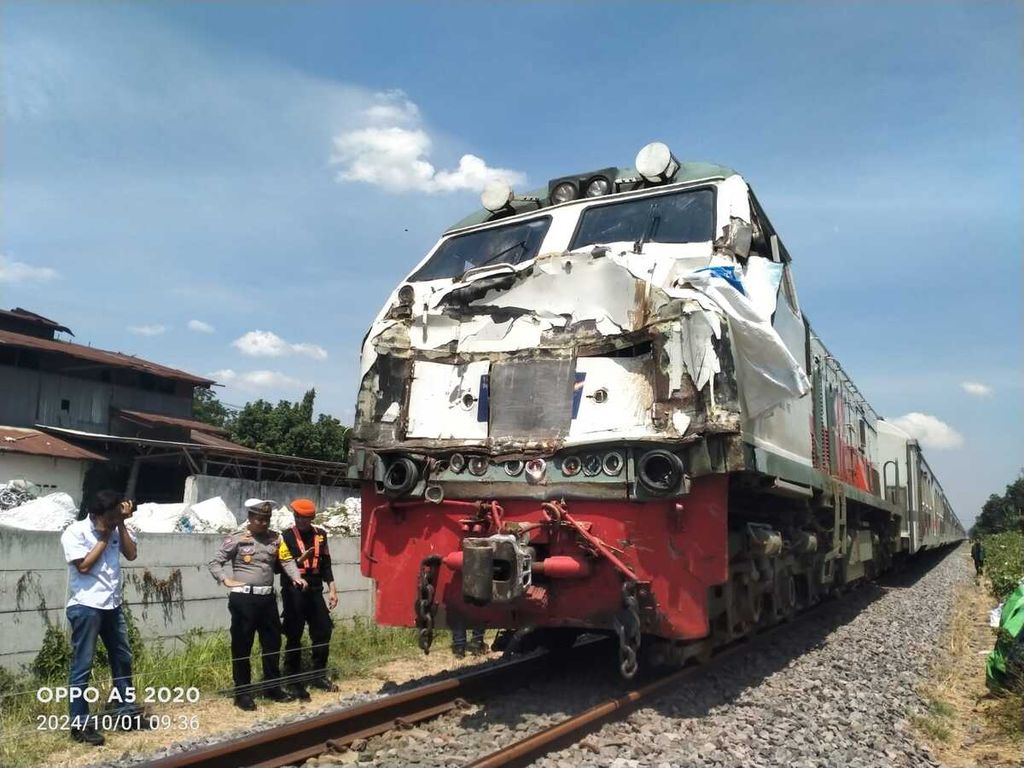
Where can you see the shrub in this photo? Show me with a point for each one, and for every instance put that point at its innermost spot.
(1004, 561)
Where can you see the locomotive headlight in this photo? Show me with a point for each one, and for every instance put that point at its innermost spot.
(598, 186)
(497, 196)
(406, 296)
(563, 192)
(457, 462)
(613, 463)
(591, 464)
(656, 163)
(478, 465)
(535, 469)
(571, 466)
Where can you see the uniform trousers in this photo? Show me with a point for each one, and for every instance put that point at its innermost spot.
(301, 608)
(252, 614)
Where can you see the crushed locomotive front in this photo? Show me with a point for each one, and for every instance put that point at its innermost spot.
(588, 408)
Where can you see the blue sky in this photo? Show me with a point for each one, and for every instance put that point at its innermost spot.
(178, 176)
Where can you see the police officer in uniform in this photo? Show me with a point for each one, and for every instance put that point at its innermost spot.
(306, 544)
(253, 553)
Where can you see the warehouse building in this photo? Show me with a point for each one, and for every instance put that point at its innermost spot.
(76, 418)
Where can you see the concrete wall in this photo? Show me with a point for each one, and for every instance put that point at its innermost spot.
(51, 473)
(234, 492)
(168, 587)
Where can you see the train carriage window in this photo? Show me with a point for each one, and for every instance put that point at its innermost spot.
(788, 290)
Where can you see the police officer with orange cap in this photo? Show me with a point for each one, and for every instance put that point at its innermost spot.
(307, 545)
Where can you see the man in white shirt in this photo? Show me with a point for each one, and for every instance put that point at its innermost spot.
(92, 549)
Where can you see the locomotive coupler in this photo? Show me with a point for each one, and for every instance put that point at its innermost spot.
(495, 569)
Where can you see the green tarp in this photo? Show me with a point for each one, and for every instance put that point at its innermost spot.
(1007, 660)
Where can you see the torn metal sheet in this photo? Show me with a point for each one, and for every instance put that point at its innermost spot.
(767, 371)
(579, 288)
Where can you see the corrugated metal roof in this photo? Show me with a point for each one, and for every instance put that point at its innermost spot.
(159, 420)
(31, 441)
(20, 315)
(200, 440)
(101, 356)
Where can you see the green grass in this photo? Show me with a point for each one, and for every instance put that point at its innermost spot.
(936, 720)
(1004, 561)
(202, 660)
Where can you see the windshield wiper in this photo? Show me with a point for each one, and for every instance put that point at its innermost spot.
(490, 259)
(649, 231)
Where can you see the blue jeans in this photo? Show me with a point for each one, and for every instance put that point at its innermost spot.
(459, 637)
(86, 625)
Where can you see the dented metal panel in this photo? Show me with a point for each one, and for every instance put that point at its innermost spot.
(445, 401)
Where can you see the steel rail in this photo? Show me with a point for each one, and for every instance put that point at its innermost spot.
(572, 729)
(294, 742)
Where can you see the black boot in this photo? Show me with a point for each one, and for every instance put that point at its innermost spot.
(88, 735)
(323, 683)
(278, 694)
(244, 701)
(297, 691)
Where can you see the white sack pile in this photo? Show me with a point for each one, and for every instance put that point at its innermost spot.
(210, 516)
(341, 519)
(53, 512)
(157, 518)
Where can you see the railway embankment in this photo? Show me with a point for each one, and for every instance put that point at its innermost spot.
(845, 684)
(840, 689)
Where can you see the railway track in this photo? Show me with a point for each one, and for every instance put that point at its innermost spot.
(333, 732)
(294, 743)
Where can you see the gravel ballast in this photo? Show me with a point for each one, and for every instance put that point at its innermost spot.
(834, 688)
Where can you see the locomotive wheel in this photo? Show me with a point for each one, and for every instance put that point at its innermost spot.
(786, 596)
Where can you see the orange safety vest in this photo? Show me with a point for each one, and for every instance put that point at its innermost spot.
(310, 565)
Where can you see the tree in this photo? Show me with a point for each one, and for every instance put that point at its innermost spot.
(1002, 513)
(289, 429)
(207, 408)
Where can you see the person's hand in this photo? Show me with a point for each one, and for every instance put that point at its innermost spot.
(126, 509)
(232, 583)
(332, 601)
(301, 583)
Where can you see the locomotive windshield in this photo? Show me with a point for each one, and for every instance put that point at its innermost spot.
(684, 217)
(511, 244)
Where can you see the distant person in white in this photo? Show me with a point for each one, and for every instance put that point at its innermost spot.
(93, 549)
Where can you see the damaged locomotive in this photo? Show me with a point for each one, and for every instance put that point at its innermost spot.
(598, 407)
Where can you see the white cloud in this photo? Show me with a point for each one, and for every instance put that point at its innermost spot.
(148, 330)
(392, 152)
(19, 272)
(976, 389)
(267, 344)
(930, 431)
(199, 326)
(256, 380)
